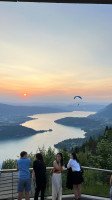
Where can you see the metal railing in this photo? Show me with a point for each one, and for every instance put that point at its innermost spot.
(8, 184)
(66, 1)
(96, 182)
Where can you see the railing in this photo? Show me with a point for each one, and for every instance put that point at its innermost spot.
(96, 182)
(8, 184)
(67, 1)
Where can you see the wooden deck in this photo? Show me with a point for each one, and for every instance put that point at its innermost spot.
(84, 197)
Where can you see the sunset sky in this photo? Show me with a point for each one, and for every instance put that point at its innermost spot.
(52, 52)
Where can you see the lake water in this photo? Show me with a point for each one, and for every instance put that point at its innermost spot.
(12, 148)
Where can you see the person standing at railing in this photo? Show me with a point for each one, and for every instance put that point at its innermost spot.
(77, 178)
(56, 177)
(24, 182)
(39, 173)
(111, 187)
(0, 167)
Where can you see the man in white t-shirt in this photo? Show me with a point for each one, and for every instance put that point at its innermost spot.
(0, 166)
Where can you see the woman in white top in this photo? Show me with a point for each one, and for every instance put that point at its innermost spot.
(77, 178)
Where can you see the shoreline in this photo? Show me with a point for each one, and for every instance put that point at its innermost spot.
(13, 129)
(91, 127)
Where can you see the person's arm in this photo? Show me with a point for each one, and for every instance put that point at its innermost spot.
(29, 162)
(69, 164)
(33, 172)
(0, 166)
(111, 181)
(57, 166)
(33, 175)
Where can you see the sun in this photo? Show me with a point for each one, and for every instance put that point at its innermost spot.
(25, 94)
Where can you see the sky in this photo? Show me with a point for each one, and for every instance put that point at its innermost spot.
(53, 52)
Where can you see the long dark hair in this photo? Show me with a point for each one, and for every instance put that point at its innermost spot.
(74, 156)
(40, 157)
(61, 161)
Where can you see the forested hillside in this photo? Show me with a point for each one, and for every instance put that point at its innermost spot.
(97, 152)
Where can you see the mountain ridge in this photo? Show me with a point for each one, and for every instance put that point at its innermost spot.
(105, 113)
(93, 125)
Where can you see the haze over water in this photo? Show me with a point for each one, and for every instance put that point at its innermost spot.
(12, 148)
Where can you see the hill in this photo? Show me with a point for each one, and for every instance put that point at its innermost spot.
(81, 122)
(6, 109)
(93, 125)
(98, 152)
(103, 114)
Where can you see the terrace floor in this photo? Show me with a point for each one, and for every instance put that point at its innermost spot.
(84, 197)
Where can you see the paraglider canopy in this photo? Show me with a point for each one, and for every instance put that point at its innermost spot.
(78, 97)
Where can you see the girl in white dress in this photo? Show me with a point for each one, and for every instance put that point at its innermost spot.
(77, 178)
(56, 177)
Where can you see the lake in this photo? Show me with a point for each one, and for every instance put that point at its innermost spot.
(12, 148)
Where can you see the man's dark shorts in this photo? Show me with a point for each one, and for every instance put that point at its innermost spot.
(24, 184)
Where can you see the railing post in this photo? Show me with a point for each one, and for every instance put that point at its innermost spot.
(12, 185)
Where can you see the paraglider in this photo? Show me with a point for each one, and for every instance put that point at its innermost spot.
(78, 100)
